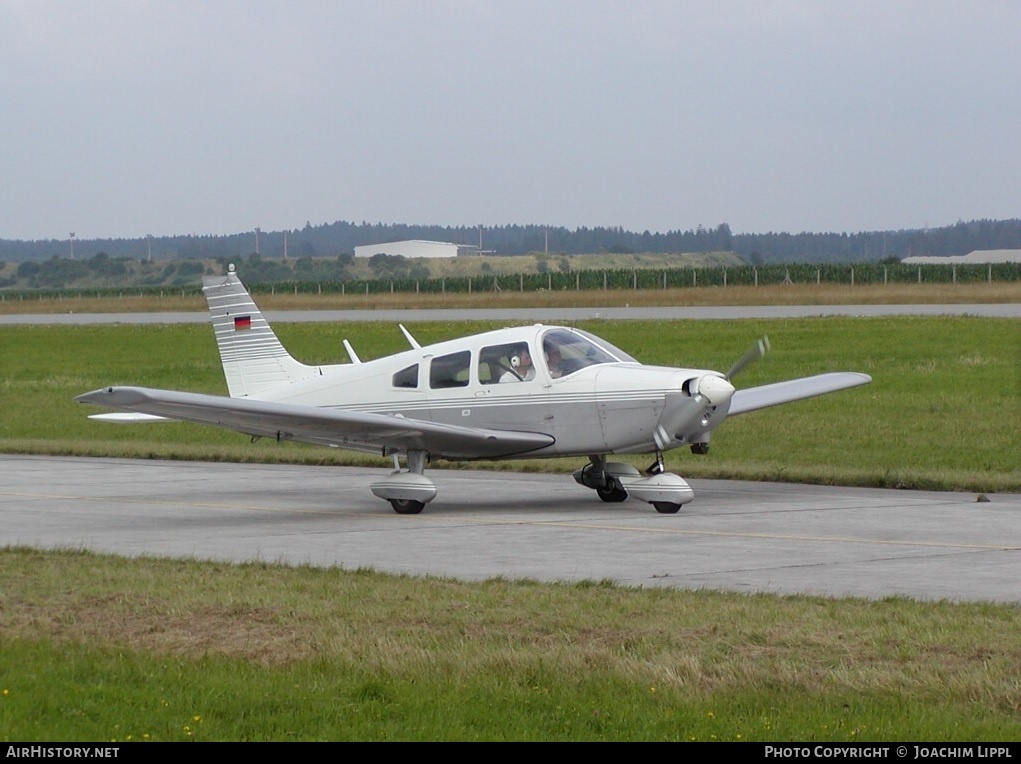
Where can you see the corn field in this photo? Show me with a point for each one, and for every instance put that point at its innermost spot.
(590, 280)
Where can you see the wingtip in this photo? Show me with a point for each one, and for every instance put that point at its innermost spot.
(113, 396)
(92, 396)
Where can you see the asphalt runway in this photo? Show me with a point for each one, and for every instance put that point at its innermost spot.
(735, 536)
(522, 315)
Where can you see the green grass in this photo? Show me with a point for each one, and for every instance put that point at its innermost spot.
(103, 648)
(942, 411)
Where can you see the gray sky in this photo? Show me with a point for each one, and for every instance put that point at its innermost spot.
(120, 118)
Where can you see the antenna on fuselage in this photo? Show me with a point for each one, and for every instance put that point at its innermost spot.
(409, 338)
(351, 352)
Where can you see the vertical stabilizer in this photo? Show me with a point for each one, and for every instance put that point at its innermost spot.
(253, 358)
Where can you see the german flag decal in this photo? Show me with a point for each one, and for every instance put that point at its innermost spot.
(241, 323)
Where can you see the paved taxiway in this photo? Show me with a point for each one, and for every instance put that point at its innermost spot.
(736, 536)
(523, 315)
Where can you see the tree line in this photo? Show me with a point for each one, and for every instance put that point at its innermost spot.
(341, 237)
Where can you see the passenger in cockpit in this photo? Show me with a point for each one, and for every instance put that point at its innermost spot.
(521, 361)
(553, 358)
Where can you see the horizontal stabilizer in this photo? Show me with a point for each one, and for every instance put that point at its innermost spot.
(755, 398)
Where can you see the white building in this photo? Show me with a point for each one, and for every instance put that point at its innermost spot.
(978, 257)
(416, 249)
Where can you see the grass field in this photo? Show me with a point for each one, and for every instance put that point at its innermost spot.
(102, 648)
(941, 413)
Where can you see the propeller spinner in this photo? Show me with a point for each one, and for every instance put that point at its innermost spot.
(687, 417)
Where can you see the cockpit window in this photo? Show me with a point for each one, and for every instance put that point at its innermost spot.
(450, 370)
(565, 352)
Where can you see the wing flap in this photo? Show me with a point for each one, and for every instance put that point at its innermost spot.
(322, 426)
(755, 398)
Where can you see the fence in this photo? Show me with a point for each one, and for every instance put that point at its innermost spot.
(621, 279)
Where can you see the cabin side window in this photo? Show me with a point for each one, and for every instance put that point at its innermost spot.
(407, 378)
(505, 363)
(450, 370)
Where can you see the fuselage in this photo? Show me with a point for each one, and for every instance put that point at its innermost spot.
(587, 394)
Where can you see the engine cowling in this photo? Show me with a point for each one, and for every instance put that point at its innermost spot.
(700, 404)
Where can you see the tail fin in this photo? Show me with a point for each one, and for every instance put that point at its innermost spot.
(252, 356)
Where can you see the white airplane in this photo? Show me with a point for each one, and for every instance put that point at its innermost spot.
(527, 391)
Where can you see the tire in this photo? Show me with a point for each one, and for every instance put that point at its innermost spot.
(407, 506)
(613, 492)
(666, 507)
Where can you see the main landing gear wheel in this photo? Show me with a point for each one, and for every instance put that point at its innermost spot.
(666, 507)
(613, 492)
(407, 506)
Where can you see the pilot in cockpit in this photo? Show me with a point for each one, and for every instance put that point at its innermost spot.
(553, 358)
(521, 362)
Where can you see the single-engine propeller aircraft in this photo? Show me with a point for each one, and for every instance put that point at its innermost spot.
(535, 391)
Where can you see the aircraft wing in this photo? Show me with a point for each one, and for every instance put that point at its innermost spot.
(754, 398)
(360, 431)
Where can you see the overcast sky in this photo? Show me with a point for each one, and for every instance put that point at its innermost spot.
(120, 118)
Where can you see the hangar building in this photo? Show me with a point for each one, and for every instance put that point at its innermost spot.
(416, 248)
(978, 257)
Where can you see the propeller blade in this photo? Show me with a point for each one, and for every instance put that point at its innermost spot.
(755, 352)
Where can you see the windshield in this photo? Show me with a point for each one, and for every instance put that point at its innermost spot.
(621, 355)
(565, 351)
